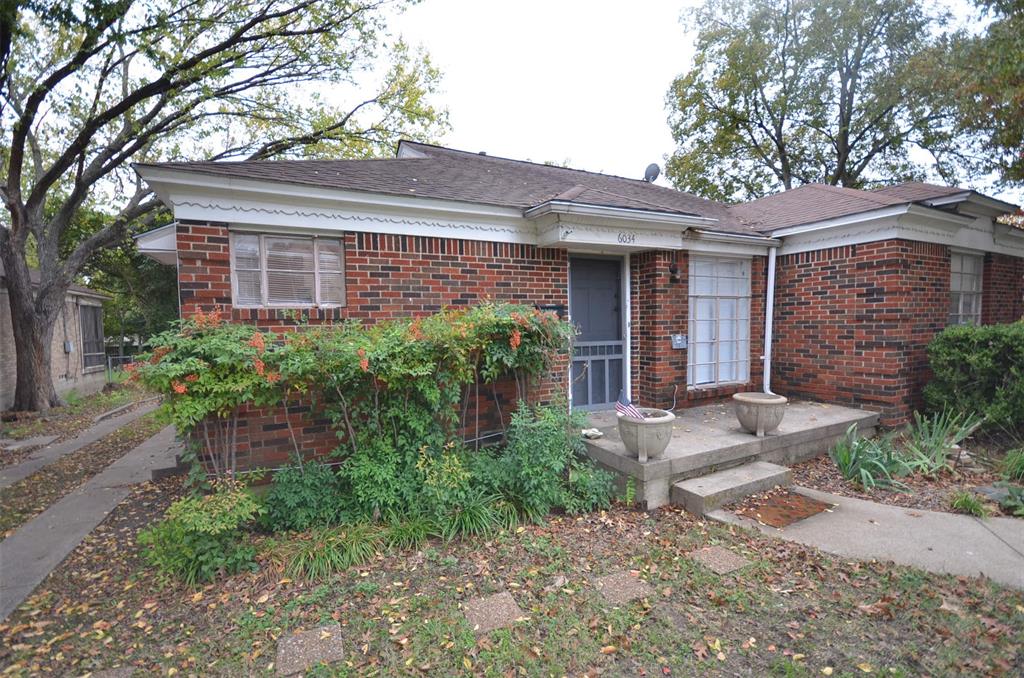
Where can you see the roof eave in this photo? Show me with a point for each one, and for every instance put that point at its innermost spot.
(650, 217)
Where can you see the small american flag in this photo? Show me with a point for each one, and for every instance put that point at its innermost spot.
(626, 408)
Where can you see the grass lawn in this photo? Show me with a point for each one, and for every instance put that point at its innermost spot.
(793, 611)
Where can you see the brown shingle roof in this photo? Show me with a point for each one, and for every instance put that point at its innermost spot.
(807, 204)
(914, 191)
(448, 174)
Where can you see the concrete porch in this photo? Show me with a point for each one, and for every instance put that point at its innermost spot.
(708, 438)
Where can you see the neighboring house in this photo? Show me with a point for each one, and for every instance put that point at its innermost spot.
(77, 353)
(669, 290)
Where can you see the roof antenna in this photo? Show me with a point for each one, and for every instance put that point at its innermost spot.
(651, 173)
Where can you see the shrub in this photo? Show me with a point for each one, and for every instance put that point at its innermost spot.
(868, 462)
(201, 537)
(543, 464)
(965, 502)
(1012, 466)
(979, 369)
(302, 496)
(929, 439)
(326, 551)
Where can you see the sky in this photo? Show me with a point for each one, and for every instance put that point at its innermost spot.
(565, 81)
(578, 83)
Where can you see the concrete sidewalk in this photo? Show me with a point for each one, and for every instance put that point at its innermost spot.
(35, 549)
(931, 540)
(47, 455)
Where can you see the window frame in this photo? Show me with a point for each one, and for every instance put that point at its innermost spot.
(264, 285)
(961, 318)
(82, 339)
(742, 363)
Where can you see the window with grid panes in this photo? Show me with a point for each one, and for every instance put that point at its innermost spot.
(965, 288)
(719, 345)
(287, 271)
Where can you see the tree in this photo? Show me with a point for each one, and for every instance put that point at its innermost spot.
(801, 91)
(88, 87)
(988, 83)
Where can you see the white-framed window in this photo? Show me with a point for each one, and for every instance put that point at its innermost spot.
(965, 272)
(719, 347)
(277, 271)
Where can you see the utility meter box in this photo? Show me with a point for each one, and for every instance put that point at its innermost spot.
(678, 341)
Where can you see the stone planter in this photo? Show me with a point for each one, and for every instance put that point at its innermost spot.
(759, 413)
(647, 438)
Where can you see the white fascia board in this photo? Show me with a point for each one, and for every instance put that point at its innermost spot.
(665, 220)
(249, 203)
(920, 225)
(984, 204)
(609, 239)
(850, 219)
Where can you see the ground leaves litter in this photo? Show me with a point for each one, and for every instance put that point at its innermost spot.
(793, 612)
(30, 496)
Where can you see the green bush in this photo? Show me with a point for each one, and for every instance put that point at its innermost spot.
(868, 462)
(201, 537)
(543, 465)
(303, 496)
(979, 369)
(1013, 503)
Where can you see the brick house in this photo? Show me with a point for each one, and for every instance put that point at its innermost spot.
(78, 355)
(669, 290)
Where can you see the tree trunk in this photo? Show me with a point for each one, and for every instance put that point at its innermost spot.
(33, 336)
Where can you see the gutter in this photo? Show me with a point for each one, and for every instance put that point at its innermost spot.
(769, 318)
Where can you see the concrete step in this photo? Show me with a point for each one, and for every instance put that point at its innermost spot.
(707, 493)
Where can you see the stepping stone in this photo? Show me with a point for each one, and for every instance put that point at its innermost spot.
(123, 672)
(299, 652)
(717, 559)
(621, 587)
(492, 612)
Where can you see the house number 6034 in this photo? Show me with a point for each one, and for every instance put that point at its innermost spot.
(627, 238)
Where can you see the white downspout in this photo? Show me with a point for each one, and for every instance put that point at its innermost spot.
(769, 312)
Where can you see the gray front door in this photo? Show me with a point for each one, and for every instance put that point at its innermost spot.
(595, 305)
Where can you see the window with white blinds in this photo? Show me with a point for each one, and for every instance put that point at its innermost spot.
(965, 288)
(719, 347)
(287, 271)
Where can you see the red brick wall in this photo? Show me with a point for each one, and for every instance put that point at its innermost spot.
(1002, 289)
(852, 323)
(386, 277)
(660, 308)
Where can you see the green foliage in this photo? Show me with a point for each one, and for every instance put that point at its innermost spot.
(201, 537)
(409, 533)
(1013, 503)
(543, 465)
(1012, 466)
(927, 443)
(979, 369)
(326, 551)
(965, 502)
(868, 462)
(477, 515)
(783, 94)
(302, 496)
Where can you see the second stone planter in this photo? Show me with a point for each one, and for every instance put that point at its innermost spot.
(647, 438)
(759, 413)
